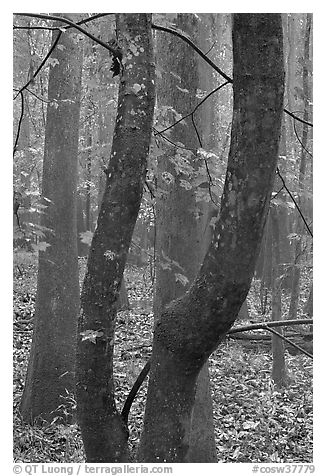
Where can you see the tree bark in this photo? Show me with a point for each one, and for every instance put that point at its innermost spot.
(103, 431)
(308, 308)
(52, 359)
(296, 271)
(279, 374)
(191, 327)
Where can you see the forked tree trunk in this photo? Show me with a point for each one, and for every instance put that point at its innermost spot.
(103, 431)
(191, 327)
(52, 359)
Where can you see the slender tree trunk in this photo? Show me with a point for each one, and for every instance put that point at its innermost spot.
(88, 220)
(103, 430)
(81, 228)
(191, 327)
(308, 309)
(279, 374)
(52, 359)
(295, 294)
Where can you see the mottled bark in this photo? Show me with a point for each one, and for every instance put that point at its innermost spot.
(103, 431)
(191, 327)
(52, 358)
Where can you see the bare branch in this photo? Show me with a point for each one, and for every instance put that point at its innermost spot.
(273, 331)
(300, 141)
(297, 118)
(133, 392)
(195, 108)
(115, 53)
(81, 22)
(156, 132)
(260, 325)
(198, 50)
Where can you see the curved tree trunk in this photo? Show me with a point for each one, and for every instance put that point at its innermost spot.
(103, 431)
(191, 327)
(52, 359)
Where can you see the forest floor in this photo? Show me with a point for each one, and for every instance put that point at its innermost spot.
(254, 422)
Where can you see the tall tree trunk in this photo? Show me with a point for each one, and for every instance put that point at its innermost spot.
(191, 327)
(103, 430)
(88, 220)
(52, 359)
(295, 294)
(178, 230)
(81, 228)
(279, 374)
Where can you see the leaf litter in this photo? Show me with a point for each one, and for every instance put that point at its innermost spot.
(254, 422)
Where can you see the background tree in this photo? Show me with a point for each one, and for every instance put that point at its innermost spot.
(293, 195)
(279, 373)
(51, 366)
(299, 230)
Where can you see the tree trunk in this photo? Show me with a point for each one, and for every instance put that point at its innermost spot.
(279, 374)
(308, 308)
(52, 359)
(244, 313)
(88, 219)
(295, 294)
(103, 431)
(81, 228)
(191, 327)
(123, 301)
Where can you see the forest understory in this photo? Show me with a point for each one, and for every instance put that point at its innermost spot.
(253, 421)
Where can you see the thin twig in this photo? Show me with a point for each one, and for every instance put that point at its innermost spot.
(294, 201)
(35, 95)
(171, 142)
(297, 118)
(280, 190)
(19, 123)
(300, 141)
(273, 331)
(196, 107)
